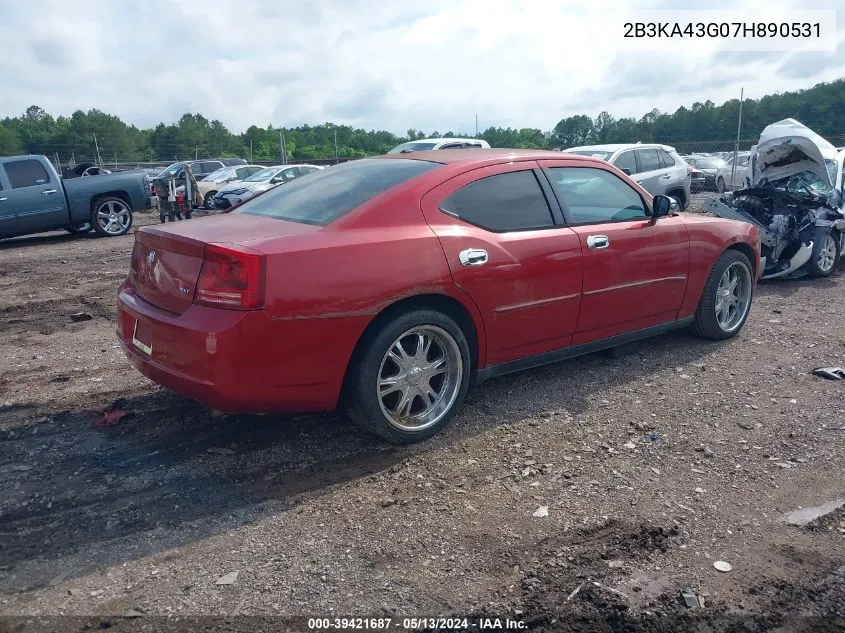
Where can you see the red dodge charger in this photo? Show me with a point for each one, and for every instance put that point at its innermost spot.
(385, 285)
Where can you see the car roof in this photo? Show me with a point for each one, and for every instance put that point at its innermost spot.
(484, 155)
(615, 147)
(446, 139)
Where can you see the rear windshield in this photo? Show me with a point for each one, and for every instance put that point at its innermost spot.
(412, 147)
(330, 193)
(710, 163)
(595, 153)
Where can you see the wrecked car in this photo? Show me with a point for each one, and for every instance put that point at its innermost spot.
(795, 197)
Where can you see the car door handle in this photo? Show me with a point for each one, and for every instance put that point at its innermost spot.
(3, 199)
(597, 242)
(48, 192)
(473, 257)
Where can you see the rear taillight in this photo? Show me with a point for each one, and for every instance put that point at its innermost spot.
(231, 278)
(135, 262)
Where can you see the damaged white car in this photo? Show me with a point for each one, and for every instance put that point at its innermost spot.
(796, 199)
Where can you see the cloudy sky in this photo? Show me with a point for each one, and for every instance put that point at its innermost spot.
(384, 64)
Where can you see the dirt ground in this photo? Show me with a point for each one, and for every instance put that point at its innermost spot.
(652, 466)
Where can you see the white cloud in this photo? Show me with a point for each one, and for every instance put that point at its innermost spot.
(385, 64)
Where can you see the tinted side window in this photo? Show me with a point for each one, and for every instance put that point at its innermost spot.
(288, 174)
(648, 159)
(594, 195)
(505, 202)
(625, 160)
(330, 193)
(453, 146)
(666, 158)
(26, 173)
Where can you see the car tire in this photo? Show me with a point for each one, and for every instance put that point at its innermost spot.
(828, 259)
(208, 201)
(713, 319)
(407, 354)
(681, 198)
(720, 185)
(111, 216)
(80, 228)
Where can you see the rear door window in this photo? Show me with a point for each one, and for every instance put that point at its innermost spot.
(648, 160)
(26, 173)
(512, 201)
(666, 159)
(329, 194)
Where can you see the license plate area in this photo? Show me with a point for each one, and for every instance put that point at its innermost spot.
(142, 337)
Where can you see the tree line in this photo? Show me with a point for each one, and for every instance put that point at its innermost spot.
(87, 135)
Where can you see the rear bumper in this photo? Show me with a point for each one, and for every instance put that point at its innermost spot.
(238, 361)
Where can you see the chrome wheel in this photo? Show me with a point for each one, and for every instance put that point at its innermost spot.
(419, 378)
(827, 256)
(114, 217)
(842, 242)
(733, 297)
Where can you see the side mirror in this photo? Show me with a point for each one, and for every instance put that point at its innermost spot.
(275, 180)
(626, 170)
(661, 206)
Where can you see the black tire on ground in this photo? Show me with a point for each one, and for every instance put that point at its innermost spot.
(720, 185)
(80, 228)
(706, 324)
(819, 269)
(105, 204)
(207, 201)
(361, 400)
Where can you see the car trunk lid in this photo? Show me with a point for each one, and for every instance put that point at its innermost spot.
(167, 260)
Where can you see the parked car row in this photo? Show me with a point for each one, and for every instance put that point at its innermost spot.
(717, 173)
(237, 191)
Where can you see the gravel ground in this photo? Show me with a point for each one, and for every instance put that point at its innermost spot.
(651, 465)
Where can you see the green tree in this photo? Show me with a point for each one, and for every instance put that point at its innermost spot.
(10, 144)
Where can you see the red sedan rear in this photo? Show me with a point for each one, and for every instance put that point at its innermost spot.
(384, 285)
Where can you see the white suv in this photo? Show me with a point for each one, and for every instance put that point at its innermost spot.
(658, 168)
(439, 143)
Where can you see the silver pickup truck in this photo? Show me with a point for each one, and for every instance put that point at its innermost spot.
(33, 199)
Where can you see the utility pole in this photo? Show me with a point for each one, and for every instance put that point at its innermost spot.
(335, 147)
(476, 126)
(284, 149)
(97, 147)
(738, 131)
(196, 153)
(115, 160)
(250, 150)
